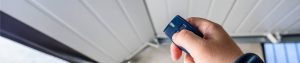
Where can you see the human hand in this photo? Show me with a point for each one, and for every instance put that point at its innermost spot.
(215, 47)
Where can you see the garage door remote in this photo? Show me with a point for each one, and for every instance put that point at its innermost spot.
(177, 24)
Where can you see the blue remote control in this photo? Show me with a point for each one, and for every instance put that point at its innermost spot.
(177, 24)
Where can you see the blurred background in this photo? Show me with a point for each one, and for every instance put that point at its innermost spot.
(131, 31)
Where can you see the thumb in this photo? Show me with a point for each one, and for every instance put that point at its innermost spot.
(190, 41)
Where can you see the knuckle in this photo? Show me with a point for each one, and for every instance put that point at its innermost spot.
(183, 32)
(180, 35)
(216, 26)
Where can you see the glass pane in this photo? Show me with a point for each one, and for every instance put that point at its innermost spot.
(282, 52)
(13, 52)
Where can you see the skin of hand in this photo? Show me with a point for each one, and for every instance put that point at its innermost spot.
(215, 47)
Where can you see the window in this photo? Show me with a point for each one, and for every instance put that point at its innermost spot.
(282, 52)
(13, 52)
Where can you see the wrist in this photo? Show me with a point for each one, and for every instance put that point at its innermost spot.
(248, 58)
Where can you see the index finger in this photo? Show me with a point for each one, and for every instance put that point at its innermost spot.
(207, 27)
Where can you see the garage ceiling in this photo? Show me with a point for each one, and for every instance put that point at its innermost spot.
(236, 16)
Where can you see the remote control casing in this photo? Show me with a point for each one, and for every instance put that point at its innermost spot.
(177, 24)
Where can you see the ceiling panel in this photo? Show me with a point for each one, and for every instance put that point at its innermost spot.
(257, 15)
(214, 12)
(197, 9)
(118, 28)
(136, 12)
(83, 23)
(240, 10)
(159, 14)
(177, 7)
(287, 21)
(236, 16)
(280, 10)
